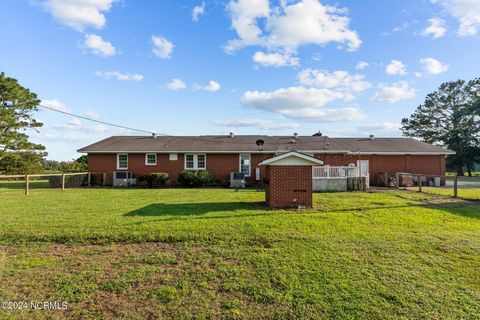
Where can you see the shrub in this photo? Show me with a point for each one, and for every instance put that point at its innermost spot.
(155, 178)
(195, 178)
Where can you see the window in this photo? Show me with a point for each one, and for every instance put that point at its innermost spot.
(189, 161)
(150, 159)
(200, 161)
(173, 156)
(195, 161)
(122, 161)
(245, 164)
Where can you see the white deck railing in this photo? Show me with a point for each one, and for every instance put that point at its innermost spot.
(331, 172)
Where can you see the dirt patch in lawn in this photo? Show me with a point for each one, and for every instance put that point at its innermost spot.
(147, 280)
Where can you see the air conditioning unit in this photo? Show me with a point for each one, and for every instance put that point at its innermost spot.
(237, 180)
(123, 179)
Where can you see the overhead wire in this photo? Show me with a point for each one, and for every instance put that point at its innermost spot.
(204, 139)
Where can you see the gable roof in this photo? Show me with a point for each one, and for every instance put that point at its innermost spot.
(272, 144)
(303, 158)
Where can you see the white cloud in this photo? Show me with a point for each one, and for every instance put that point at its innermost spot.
(395, 92)
(255, 123)
(79, 14)
(74, 124)
(310, 22)
(162, 48)
(119, 75)
(436, 28)
(291, 98)
(362, 65)
(399, 28)
(287, 27)
(341, 80)
(396, 68)
(324, 115)
(244, 15)
(198, 11)
(92, 114)
(317, 56)
(384, 129)
(176, 84)
(100, 128)
(418, 74)
(466, 11)
(433, 66)
(99, 46)
(302, 103)
(386, 126)
(275, 59)
(212, 86)
(55, 104)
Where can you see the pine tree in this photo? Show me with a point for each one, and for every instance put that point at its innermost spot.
(17, 105)
(450, 116)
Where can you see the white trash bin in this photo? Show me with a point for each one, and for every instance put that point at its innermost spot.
(436, 181)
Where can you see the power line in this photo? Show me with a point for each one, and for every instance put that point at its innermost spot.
(99, 121)
(204, 139)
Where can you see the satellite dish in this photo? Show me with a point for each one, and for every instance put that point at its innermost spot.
(260, 142)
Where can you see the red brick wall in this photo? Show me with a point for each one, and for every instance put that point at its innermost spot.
(289, 186)
(220, 165)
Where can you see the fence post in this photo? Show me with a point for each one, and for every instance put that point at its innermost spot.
(420, 180)
(89, 179)
(104, 178)
(63, 182)
(397, 180)
(27, 185)
(455, 186)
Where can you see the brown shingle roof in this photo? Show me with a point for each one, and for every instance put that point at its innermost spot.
(247, 143)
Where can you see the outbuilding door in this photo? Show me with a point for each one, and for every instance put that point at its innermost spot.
(364, 167)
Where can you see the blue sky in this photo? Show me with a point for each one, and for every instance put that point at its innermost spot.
(346, 68)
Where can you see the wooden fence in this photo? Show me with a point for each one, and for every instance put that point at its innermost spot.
(27, 177)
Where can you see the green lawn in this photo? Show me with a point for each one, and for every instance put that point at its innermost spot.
(463, 192)
(217, 253)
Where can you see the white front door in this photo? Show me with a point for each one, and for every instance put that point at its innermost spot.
(364, 167)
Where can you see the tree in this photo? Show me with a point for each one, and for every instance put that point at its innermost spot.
(77, 165)
(450, 116)
(17, 105)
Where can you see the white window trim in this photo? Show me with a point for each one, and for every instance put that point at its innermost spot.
(195, 161)
(146, 159)
(118, 161)
(249, 166)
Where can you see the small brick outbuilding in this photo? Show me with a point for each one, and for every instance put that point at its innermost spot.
(288, 180)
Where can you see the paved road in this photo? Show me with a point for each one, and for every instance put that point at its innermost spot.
(449, 183)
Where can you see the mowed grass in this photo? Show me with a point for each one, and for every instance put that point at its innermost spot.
(464, 192)
(218, 253)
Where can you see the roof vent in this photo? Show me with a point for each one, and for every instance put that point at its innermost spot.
(371, 137)
(318, 134)
(231, 134)
(260, 143)
(154, 135)
(295, 135)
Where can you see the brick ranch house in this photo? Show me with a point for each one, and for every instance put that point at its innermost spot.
(224, 154)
